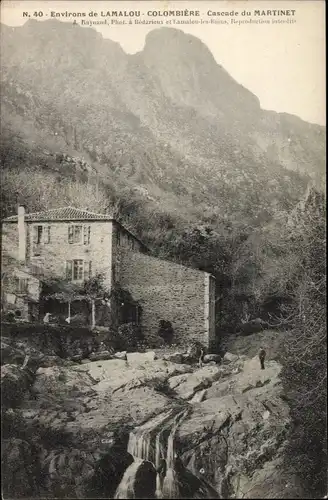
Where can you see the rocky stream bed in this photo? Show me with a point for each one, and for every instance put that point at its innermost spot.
(100, 429)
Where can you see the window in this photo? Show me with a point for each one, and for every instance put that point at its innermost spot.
(118, 237)
(78, 270)
(75, 234)
(41, 234)
(21, 285)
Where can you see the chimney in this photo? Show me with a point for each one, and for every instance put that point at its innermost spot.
(21, 234)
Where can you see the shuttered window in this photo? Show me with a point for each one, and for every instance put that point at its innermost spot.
(86, 234)
(21, 285)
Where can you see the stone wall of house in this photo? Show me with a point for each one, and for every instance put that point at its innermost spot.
(50, 258)
(168, 291)
(122, 240)
(15, 298)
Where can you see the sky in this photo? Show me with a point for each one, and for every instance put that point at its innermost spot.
(282, 64)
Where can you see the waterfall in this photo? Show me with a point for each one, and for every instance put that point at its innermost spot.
(139, 445)
(140, 439)
(170, 486)
(126, 486)
(147, 443)
(159, 448)
(170, 442)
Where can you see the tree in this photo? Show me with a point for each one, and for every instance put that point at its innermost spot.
(305, 350)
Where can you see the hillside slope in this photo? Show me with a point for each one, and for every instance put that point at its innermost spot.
(179, 126)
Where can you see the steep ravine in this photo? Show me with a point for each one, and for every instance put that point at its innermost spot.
(101, 428)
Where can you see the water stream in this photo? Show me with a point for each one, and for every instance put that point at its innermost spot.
(154, 442)
(126, 486)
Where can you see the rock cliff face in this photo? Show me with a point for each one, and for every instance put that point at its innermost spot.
(78, 428)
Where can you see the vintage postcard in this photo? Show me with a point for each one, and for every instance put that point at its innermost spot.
(163, 237)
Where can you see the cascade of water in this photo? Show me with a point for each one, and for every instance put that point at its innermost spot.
(170, 442)
(126, 486)
(139, 444)
(170, 485)
(159, 487)
(140, 447)
(159, 448)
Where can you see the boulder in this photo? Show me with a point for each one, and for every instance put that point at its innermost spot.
(109, 472)
(120, 355)
(76, 358)
(182, 483)
(212, 357)
(99, 356)
(176, 357)
(139, 358)
(187, 358)
(61, 381)
(114, 374)
(199, 396)
(11, 355)
(14, 383)
(186, 385)
(145, 481)
(195, 349)
(68, 362)
(230, 358)
(20, 469)
(48, 361)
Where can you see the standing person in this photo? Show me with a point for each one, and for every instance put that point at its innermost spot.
(201, 357)
(262, 355)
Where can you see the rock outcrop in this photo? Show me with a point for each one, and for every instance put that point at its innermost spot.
(63, 420)
(238, 430)
(186, 385)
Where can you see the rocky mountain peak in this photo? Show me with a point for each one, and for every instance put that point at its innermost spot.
(189, 73)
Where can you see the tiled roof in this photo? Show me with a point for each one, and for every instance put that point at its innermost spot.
(61, 214)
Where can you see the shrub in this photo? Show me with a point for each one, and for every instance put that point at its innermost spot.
(128, 336)
(166, 331)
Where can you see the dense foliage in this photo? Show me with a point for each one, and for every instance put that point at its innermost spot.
(305, 349)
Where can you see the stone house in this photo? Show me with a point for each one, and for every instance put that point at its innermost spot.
(72, 245)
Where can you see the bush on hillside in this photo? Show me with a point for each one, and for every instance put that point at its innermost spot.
(305, 351)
